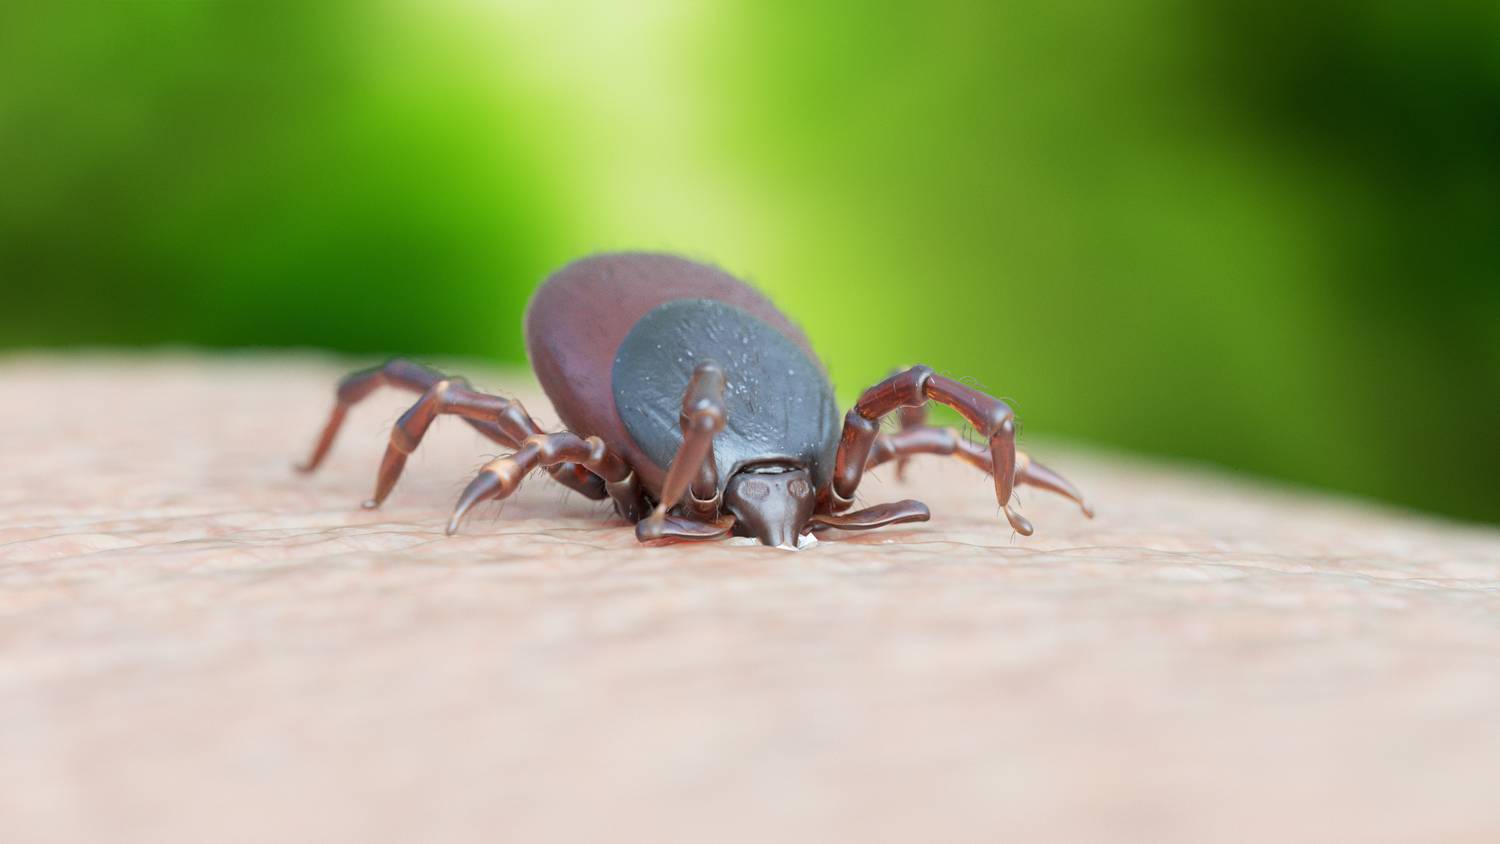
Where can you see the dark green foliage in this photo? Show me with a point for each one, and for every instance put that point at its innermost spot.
(1257, 234)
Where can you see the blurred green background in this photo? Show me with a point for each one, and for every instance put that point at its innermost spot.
(1265, 235)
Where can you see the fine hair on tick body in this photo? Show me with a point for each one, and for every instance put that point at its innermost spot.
(698, 409)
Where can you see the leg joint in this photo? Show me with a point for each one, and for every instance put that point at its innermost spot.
(855, 421)
(919, 376)
(706, 416)
(1000, 420)
(906, 389)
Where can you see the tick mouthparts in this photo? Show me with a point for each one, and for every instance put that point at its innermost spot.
(804, 542)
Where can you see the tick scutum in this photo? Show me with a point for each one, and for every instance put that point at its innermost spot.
(780, 406)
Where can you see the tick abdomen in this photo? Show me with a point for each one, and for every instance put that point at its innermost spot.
(578, 320)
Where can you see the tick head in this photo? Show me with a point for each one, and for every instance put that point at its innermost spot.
(771, 503)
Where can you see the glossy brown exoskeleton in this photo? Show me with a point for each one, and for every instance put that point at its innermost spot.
(698, 408)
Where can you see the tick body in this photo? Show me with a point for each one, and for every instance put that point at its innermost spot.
(698, 408)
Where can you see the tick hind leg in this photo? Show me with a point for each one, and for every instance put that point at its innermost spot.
(417, 378)
(511, 418)
(992, 417)
(907, 442)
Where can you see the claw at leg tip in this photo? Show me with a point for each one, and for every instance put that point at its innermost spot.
(370, 504)
(1018, 522)
(482, 487)
(459, 512)
(650, 528)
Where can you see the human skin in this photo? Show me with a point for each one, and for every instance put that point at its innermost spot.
(196, 643)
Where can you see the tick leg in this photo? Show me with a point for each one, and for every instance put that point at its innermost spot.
(1029, 471)
(407, 375)
(949, 442)
(894, 513)
(512, 420)
(685, 527)
(913, 388)
(692, 469)
(909, 418)
(502, 476)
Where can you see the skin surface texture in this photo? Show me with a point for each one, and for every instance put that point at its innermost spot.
(200, 645)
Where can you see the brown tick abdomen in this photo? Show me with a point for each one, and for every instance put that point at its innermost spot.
(580, 315)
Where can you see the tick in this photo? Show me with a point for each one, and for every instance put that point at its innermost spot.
(698, 408)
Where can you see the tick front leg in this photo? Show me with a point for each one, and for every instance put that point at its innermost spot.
(913, 388)
(692, 470)
(502, 476)
(949, 442)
